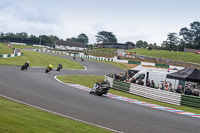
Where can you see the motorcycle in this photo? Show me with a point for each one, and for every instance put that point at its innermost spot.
(47, 69)
(82, 59)
(74, 58)
(23, 67)
(100, 89)
(59, 68)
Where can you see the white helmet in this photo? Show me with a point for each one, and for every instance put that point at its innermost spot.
(27, 61)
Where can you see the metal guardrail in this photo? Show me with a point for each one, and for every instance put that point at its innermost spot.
(156, 94)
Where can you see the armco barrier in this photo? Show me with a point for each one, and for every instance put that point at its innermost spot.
(156, 94)
(191, 101)
(121, 85)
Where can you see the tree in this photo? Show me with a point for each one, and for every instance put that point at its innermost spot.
(104, 36)
(172, 41)
(191, 37)
(139, 44)
(74, 39)
(83, 38)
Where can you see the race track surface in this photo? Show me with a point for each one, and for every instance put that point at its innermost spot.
(40, 89)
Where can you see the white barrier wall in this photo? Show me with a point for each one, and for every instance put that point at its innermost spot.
(110, 80)
(156, 94)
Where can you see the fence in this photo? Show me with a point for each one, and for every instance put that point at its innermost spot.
(154, 94)
(191, 101)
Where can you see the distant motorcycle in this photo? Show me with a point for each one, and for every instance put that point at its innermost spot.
(59, 67)
(82, 59)
(74, 58)
(100, 88)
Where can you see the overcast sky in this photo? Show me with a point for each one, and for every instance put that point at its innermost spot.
(129, 20)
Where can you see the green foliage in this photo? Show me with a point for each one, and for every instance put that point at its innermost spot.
(18, 118)
(84, 38)
(91, 80)
(40, 60)
(104, 36)
(4, 49)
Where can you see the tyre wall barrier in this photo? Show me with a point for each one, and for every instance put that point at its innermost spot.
(121, 85)
(78, 55)
(10, 55)
(191, 101)
(156, 94)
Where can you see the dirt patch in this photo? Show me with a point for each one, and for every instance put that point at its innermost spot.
(130, 65)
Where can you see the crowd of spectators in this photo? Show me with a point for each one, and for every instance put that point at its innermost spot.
(150, 83)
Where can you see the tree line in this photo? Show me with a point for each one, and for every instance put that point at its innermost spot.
(186, 38)
(23, 37)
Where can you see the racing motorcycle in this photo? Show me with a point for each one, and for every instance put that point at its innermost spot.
(100, 88)
(23, 67)
(47, 69)
(59, 68)
(82, 59)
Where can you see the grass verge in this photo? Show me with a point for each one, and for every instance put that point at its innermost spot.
(165, 54)
(4, 49)
(40, 60)
(89, 81)
(18, 118)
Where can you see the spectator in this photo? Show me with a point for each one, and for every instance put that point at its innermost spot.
(140, 82)
(171, 89)
(196, 92)
(179, 89)
(153, 84)
(148, 83)
(162, 86)
(188, 91)
(133, 80)
(166, 87)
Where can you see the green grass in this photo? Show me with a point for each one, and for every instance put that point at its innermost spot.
(24, 46)
(165, 54)
(89, 81)
(18, 118)
(41, 60)
(105, 50)
(4, 49)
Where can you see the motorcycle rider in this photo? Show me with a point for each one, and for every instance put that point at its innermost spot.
(82, 59)
(50, 66)
(97, 85)
(60, 66)
(26, 65)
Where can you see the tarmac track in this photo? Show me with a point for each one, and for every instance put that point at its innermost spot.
(40, 89)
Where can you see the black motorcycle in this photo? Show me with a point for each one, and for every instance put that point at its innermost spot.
(59, 68)
(82, 59)
(74, 58)
(100, 88)
(23, 67)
